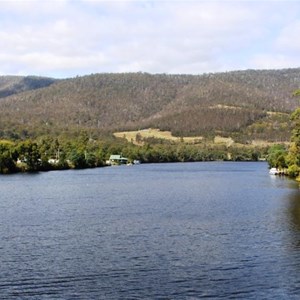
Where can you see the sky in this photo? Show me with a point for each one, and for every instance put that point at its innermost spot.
(67, 38)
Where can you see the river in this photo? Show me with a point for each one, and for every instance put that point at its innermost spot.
(215, 230)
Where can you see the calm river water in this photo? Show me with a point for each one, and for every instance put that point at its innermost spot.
(161, 231)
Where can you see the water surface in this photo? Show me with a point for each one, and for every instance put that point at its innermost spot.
(162, 231)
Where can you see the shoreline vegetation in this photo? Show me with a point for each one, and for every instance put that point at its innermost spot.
(286, 159)
(48, 153)
(62, 153)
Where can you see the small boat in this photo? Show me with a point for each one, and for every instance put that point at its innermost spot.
(274, 171)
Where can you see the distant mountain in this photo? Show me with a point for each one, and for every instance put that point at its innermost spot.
(10, 85)
(246, 105)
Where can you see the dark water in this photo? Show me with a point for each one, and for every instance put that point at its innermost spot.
(164, 231)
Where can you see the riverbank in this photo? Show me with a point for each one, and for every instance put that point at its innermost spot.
(45, 154)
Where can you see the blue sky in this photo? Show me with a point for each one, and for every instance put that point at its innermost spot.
(66, 38)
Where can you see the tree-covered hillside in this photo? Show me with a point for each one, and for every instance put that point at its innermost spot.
(245, 105)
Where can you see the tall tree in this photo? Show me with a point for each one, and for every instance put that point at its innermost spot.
(294, 150)
(29, 153)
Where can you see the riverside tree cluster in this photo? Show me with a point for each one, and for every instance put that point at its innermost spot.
(48, 153)
(287, 159)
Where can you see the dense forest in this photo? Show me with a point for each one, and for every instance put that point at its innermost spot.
(245, 105)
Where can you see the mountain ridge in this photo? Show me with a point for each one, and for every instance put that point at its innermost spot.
(11, 84)
(232, 103)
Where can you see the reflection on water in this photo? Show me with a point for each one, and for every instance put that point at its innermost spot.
(294, 210)
(164, 231)
(293, 225)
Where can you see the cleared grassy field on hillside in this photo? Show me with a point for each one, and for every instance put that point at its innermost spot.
(137, 136)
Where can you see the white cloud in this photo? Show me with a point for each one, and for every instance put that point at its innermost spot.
(65, 37)
(275, 61)
(288, 39)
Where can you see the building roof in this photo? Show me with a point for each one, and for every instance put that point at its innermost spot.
(117, 157)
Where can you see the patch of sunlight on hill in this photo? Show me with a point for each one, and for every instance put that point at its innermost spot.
(138, 136)
(262, 143)
(221, 106)
(222, 140)
(276, 113)
(7, 142)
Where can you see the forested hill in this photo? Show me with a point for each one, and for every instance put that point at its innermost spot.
(10, 85)
(242, 104)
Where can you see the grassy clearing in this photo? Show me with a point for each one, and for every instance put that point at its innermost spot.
(137, 137)
(276, 113)
(6, 142)
(262, 143)
(221, 106)
(222, 140)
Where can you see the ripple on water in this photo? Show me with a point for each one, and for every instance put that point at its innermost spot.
(165, 231)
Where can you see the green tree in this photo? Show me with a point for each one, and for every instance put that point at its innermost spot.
(294, 150)
(297, 93)
(293, 157)
(29, 154)
(77, 159)
(90, 159)
(277, 155)
(7, 163)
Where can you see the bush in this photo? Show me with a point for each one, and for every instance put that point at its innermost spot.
(293, 171)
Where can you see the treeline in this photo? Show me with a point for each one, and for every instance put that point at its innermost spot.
(49, 153)
(287, 159)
